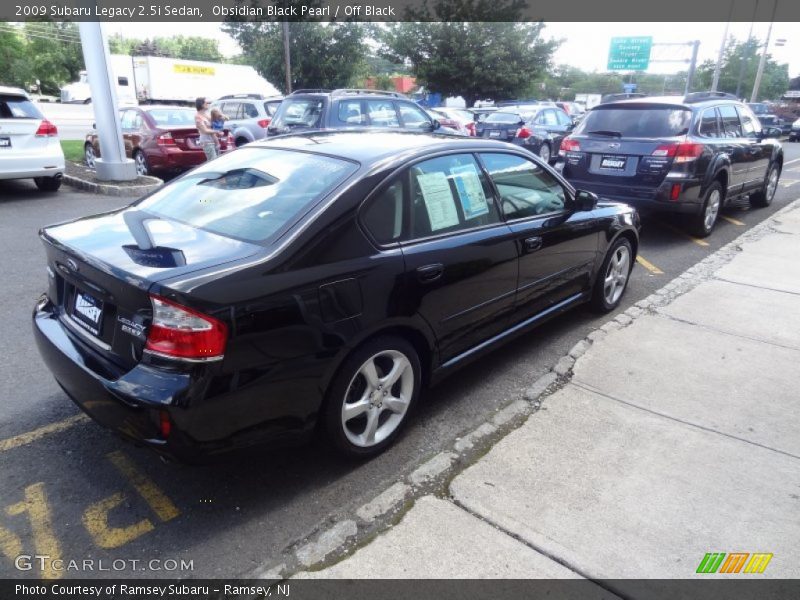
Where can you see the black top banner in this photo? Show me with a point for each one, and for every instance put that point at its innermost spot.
(401, 10)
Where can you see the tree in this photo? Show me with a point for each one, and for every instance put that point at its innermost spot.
(54, 53)
(16, 65)
(465, 54)
(742, 58)
(185, 47)
(323, 55)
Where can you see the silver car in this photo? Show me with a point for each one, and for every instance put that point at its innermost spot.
(249, 115)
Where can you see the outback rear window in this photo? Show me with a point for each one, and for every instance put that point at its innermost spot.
(168, 118)
(251, 194)
(299, 113)
(18, 107)
(650, 122)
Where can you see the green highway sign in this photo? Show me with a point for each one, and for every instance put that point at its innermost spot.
(629, 53)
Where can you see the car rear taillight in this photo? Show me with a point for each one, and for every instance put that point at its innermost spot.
(46, 129)
(183, 333)
(681, 153)
(569, 145)
(523, 133)
(471, 128)
(264, 123)
(165, 139)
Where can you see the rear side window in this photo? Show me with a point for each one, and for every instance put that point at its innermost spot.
(382, 113)
(731, 126)
(299, 112)
(179, 117)
(350, 113)
(413, 117)
(525, 188)
(18, 107)
(638, 122)
(383, 218)
(250, 194)
(708, 123)
(250, 111)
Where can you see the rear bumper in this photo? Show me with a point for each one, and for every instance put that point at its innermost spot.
(688, 201)
(39, 164)
(175, 159)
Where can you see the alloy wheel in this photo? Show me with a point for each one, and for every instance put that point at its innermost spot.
(617, 274)
(377, 398)
(712, 209)
(772, 185)
(544, 153)
(89, 156)
(141, 164)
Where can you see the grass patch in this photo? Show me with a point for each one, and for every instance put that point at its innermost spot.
(73, 150)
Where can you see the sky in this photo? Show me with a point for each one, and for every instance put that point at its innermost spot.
(585, 45)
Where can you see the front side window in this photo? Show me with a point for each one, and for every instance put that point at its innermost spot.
(350, 113)
(731, 126)
(525, 188)
(251, 194)
(126, 122)
(751, 126)
(381, 113)
(299, 113)
(413, 117)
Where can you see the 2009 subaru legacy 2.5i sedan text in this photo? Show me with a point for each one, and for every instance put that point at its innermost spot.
(316, 280)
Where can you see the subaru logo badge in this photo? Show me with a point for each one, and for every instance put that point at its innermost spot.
(73, 266)
(613, 145)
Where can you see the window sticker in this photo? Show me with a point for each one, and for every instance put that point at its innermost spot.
(439, 201)
(470, 191)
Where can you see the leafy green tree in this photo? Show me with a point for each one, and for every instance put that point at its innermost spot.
(472, 48)
(742, 58)
(16, 65)
(323, 55)
(54, 53)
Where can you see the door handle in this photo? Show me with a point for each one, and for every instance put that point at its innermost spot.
(532, 244)
(429, 273)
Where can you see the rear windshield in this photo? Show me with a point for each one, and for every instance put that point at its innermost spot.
(650, 122)
(501, 117)
(18, 107)
(271, 106)
(299, 113)
(251, 194)
(173, 117)
(759, 108)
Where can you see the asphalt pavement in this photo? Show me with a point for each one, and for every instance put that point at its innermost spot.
(72, 490)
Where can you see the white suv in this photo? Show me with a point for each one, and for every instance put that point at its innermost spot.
(29, 145)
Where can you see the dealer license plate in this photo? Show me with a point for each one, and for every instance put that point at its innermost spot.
(5, 142)
(88, 311)
(613, 162)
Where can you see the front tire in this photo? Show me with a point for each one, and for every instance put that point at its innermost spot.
(763, 197)
(703, 223)
(370, 399)
(89, 156)
(48, 184)
(612, 279)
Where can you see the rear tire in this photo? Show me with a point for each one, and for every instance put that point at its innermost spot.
(544, 153)
(48, 184)
(371, 397)
(240, 141)
(613, 276)
(763, 197)
(142, 168)
(89, 156)
(702, 224)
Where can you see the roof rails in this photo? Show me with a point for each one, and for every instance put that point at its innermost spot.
(232, 96)
(703, 96)
(357, 92)
(311, 91)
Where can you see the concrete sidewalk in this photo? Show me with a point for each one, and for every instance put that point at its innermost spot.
(677, 434)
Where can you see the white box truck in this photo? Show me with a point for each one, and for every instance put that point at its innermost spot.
(154, 79)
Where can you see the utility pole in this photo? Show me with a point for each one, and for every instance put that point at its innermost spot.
(692, 66)
(287, 61)
(718, 68)
(763, 60)
(746, 53)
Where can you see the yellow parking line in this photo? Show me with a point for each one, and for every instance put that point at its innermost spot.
(158, 501)
(31, 436)
(732, 221)
(697, 241)
(649, 266)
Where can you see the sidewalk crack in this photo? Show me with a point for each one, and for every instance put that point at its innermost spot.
(589, 388)
(758, 287)
(601, 583)
(724, 332)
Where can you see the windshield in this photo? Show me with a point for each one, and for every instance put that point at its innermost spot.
(643, 122)
(299, 113)
(503, 117)
(173, 117)
(251, 194)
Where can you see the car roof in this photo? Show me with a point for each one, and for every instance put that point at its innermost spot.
(369, 146)
(676, 101)
(13, 91)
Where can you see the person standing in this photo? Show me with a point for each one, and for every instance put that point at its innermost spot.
(208, 137)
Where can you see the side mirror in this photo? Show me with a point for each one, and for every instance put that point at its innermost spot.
(585, 201)
(435, 125)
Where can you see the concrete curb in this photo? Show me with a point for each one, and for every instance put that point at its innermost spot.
(433, 476)
(109, 189)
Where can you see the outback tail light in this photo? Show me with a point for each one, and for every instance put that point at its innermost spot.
(569, 145)
(165, 139)
(523, 133)
(185, 334)
(675, 191)
(264, 123)
(681, 153)
(46, 129)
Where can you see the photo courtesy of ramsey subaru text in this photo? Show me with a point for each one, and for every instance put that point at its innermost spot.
(317, 282)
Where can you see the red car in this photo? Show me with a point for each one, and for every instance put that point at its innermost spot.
(160, 139)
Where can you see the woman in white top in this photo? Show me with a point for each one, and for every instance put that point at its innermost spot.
(208, 137)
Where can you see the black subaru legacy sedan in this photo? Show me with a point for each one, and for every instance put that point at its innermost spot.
(316, 281)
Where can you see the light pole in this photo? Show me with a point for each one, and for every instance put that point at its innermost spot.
(763, 60)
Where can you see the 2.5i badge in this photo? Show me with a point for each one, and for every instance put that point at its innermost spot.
(131, 327)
